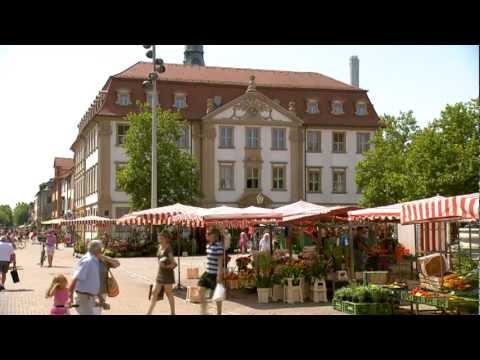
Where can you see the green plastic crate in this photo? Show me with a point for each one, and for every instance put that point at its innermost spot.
(338, 305)
(358, 308)
(383, 309)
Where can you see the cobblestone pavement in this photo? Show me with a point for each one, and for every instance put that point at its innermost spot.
(134, 277)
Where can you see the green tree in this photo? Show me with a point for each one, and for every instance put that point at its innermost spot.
(6, 216)
(20, 214)
(178, 177)
(443, 158)
(382, 174)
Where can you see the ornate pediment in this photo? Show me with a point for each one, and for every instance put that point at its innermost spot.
(253, 107)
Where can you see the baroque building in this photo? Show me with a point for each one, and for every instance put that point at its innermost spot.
(283, 135)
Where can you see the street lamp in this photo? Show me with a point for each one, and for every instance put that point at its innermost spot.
(158, 68)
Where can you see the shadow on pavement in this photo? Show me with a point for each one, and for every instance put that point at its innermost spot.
(18, 290)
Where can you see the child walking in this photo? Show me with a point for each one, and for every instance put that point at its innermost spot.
(59, 291)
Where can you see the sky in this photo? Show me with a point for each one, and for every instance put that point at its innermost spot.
(45, 90)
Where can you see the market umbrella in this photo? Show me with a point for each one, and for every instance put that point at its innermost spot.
(53, 222)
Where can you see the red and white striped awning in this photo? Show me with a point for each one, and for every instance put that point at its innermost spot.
(381, 213)
(229, 217)
(158, 216)
(461, 207)
(90, 220)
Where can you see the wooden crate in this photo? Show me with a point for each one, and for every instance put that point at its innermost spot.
(375, 277)
(193, 294)
(192, 273)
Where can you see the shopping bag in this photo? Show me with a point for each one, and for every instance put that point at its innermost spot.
(14, 274)
(220, 293)
(112, 285)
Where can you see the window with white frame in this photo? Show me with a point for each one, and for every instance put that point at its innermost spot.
(183, 142)
(361, 108)
(339, 180)
(314, 180)
(226, 176)
(180, 100)
(312, 106)
(123, 98)
(363, 142)
(337, 107)
(253, 177)
(226, 137)
(314, 141)
(279, 139)
(121, 133)
(339, 142)
(278, 176)
(252, 138)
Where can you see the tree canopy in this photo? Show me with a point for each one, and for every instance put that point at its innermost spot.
(177, 174)
(6, 216)
(407, 163)
(20, 214)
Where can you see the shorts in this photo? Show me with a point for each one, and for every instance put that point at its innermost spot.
(50, 250)
(4, 266)
(208, 281)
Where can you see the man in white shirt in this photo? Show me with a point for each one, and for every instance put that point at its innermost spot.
(7, 255)
(86, 280)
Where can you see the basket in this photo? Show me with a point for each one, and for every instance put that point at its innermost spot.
(232, 284)
(433, 283)
(192, 273)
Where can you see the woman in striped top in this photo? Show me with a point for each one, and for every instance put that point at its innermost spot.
(215, 268)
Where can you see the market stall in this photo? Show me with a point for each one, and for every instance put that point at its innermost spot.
(88, 223)
(448, 276)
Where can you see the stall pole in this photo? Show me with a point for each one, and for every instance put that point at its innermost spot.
(352, 259)
(470, 239)
(179, 286)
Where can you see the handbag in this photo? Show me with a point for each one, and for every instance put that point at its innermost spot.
(112, 285)
(14, 273)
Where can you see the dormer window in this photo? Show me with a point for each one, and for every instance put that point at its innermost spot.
(337, 107)
(123, 98)
(217, 100)
(361, 108)
(312, 106)
(180, 100)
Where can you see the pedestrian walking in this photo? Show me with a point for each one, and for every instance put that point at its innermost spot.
(86, 280)
(264, 245)
(59, 291)
(7, 255)
(165, 276)
(51, 243)
(215, 269)
(105, 264)
(243, 241)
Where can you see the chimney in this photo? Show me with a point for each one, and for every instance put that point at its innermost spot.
(355, 71)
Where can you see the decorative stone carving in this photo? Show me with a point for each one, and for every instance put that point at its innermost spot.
(251, 199)
(252, 87)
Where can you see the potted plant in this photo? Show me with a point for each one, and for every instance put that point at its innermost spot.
(263, 268)
(277, 286)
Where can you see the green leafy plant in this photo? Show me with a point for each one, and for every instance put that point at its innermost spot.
(263, 282)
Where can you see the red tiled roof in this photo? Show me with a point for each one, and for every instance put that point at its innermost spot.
(63, 163)
(236, 76)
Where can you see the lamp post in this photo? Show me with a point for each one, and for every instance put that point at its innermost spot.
(158, 67)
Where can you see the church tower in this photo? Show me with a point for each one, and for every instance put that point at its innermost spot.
(193, 55)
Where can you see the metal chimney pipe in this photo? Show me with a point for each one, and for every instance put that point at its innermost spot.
(355, 71)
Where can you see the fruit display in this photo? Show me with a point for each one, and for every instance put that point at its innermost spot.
(455, 282)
